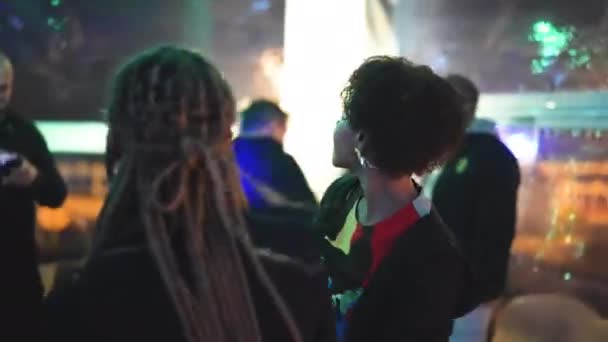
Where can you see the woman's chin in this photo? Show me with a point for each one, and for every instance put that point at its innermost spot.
(341, 164)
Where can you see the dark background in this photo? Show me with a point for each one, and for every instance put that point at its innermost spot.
(66, 55)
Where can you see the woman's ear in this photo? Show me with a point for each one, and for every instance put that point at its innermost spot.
(360, 141)
(362, 150)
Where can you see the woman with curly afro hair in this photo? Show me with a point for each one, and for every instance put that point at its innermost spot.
(396, 272)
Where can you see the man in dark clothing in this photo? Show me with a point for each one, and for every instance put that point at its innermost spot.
(476, 194)
(274, 185)
(271, 178)
(32, 180)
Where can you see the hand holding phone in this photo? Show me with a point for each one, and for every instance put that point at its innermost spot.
(8, 162)
(16, 170)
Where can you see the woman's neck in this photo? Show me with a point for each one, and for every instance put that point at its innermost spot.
(383, 196)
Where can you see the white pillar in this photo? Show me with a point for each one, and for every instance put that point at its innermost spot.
(416, 24)
(325, 41)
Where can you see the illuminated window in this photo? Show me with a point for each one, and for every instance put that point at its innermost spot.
(74, 137)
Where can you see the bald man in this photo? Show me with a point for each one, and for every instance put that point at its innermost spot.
(28, 177)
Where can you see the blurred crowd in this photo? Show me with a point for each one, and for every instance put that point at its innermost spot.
(204, 236)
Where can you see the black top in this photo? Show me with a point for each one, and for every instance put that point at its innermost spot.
(18, 256)
(265, 160)
(121, 297)
(417, 290)
(476, 194)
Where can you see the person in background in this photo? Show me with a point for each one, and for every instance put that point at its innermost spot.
(396, 271)
(476, 194)
(274, 185)
(172, 259)
(28, 177)
(271, 178)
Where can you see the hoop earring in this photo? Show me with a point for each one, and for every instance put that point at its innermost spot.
(362, 160)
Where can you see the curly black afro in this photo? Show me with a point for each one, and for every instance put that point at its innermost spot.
(412, 118)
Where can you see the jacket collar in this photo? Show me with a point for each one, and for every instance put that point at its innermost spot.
(483, 126)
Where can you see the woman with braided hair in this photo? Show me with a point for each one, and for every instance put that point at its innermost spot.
(172, 259)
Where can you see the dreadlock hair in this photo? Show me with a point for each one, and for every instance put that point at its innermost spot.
(169, 120)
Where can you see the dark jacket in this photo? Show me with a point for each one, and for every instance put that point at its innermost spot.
(265, 160)
(121, 297)
(286, 233)
(476, 194)
(21, 287)
(418, 289)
